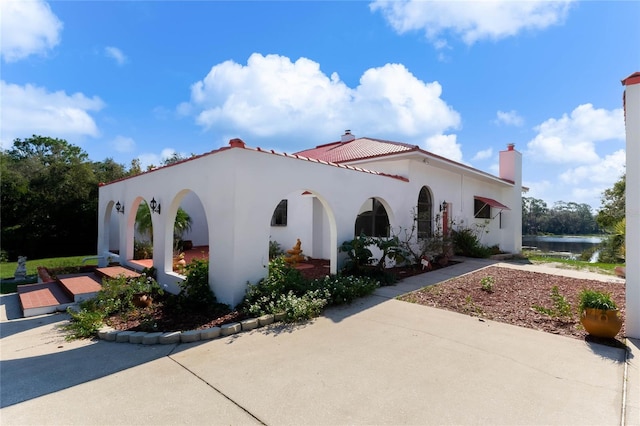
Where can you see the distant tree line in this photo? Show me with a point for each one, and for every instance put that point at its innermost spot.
(569, 218)
(579, 219)
(563, 218)
(49, 197)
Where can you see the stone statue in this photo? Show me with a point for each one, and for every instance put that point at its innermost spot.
(21, 270)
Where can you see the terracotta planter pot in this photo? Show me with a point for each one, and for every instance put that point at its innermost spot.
(142, 300)
(601, 323)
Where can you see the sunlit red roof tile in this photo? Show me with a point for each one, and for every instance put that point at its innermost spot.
(357, 149)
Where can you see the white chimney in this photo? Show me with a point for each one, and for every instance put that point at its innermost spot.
(347, 137)
(511, 165)
(511, 170)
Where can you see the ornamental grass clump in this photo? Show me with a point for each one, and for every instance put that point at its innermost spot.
(593, 299)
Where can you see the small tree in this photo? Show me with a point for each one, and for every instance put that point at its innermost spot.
(414, 249)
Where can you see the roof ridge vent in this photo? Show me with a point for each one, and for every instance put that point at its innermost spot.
(347, 137)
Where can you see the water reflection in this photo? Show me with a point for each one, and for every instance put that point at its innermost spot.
(568, 244)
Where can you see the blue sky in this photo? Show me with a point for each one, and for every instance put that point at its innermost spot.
(461, 79)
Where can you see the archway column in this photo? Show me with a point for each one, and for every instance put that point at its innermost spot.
(632, 211)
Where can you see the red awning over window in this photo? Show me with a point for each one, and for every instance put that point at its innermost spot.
(492, 202)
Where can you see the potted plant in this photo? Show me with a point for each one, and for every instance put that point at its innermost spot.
(599, 313)
(143, 288)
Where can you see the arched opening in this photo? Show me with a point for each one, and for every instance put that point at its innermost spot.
(424, 213)
(139, 234)
(304, 215)
(188, 238)
(372, 220)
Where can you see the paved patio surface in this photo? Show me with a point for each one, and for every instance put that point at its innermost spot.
(378, 361)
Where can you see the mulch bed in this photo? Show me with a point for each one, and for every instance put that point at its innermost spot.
(160, 316)
(515, 292)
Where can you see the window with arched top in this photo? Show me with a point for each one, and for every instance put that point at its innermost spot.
(279, 217)
(373, 220)
(425, 213)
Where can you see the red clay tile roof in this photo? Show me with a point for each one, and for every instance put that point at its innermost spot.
(632, 79)
(357, 149)
(239, 143)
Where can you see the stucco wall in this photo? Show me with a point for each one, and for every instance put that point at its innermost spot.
(235, 191)
(238, 189)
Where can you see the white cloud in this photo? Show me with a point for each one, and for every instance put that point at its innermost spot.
(511, 118)
(470, 20)
(572, 138)
(483, 155)
(581, 184)
(116, 54)
(123, 144)
(28, 110)
(445, 146)
(540, 190)
(604, 173)
(27, 28)
(274, 97)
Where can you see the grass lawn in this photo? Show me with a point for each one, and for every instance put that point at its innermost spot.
(7, 269)
(601, 268)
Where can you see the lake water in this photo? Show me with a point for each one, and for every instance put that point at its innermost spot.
(575, 245)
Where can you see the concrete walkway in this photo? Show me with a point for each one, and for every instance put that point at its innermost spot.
(378, 361)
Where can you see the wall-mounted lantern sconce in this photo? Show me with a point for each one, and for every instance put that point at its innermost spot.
(120, 207)
(443, 206)
(155, 206)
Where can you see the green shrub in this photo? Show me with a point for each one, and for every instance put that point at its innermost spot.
(142, 250)
(359, 255)
(467, 243)
(195, 292)
(487, 283)
(116, 296)
(285, 290)
(300, 308)
(262, 298)
(587, 254)
(274, 249)
(343, 289)
(84, 323)
(117, 293)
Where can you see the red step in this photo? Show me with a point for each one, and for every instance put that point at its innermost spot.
(81, 287)
(115, 272)
(43, 298)
(52, 296)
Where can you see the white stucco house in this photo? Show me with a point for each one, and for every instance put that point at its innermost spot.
(240, 198)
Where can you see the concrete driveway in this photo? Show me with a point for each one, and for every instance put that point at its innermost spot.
(378, 361)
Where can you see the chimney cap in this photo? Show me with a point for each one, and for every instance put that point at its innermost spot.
(347, 137)
(236, 143)
(510, 146)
